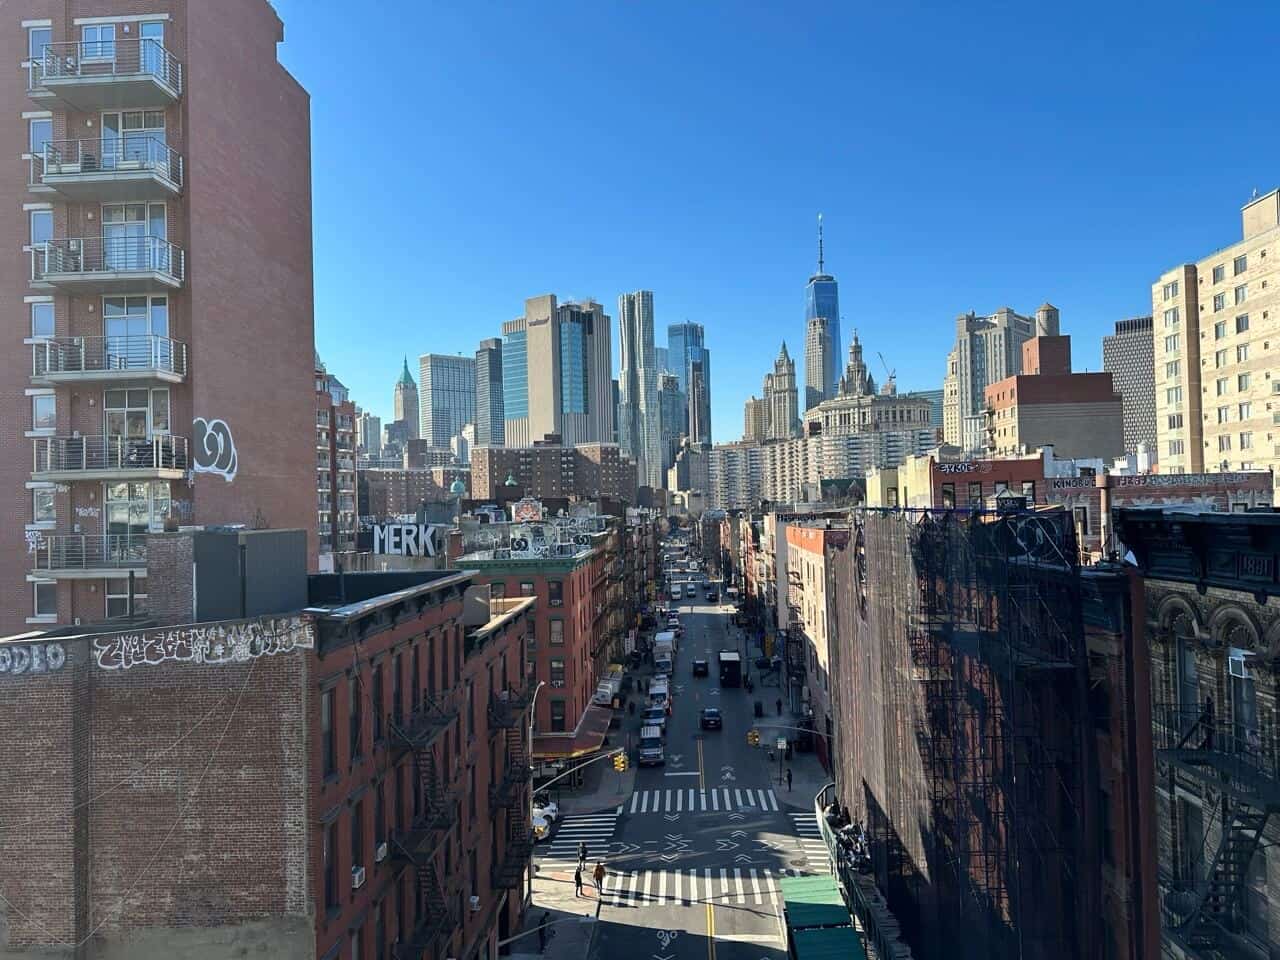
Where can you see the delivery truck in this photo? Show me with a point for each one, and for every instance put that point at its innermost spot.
(730, 668)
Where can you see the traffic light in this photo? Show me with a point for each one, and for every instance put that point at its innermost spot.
(620, 762)
(753, 738)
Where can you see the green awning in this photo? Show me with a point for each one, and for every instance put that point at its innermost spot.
(813, 902)
(832, 943)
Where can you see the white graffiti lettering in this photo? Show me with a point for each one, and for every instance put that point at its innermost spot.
(215, 643)
(35, 540)
(408, 539)
(213, 449)
(16, 660)
(91, 513)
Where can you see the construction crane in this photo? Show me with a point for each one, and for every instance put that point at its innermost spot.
(891, 381)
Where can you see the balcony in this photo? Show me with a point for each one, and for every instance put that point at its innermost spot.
(505, 790)
(507, 709)
(508, 871)
(101, 359)
(106, 74)
(108, 265)
(77, 557)
(424, 724)
(109, 458)
(117, 169)
(1230, 756)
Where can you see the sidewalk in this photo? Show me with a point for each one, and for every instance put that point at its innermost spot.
(604, 788)
(807, 775)
(571, 922)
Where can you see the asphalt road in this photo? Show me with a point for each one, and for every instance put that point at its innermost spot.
(695, 853)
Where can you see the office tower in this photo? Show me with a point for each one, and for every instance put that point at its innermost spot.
(662, 359)
(755, 419)
(822, 340)
(699, 401)
(671, 418)
(1215, 383)
(617, 398)
(935, 406)
(986, 349)
(447, 398)
(368, 433)
(405, 401)
(135, 395)
(639, 428)
(335, 433)
(685, 347)
(1128, 355)
(780, 389)
(490, 430)
(556, 374)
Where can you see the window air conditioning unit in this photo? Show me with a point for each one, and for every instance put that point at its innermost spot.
(380, 853)
(475, 904)
(357, 878)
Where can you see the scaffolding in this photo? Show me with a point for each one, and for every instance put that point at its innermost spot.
(978, 820)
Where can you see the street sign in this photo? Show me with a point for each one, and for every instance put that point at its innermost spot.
(782, 743)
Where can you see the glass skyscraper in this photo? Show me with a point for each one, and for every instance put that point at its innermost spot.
(685, 348)
(489, 406)
(446, 396)
(822, 300)
(515, 375)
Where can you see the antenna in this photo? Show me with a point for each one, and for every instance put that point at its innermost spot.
(820, 261)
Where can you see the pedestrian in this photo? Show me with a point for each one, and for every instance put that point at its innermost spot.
(577, 881)
(582, 853)
(779, 706)
(542, 931)
(788, 779)
(598, 875)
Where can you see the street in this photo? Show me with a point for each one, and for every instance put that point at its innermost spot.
(695, 852)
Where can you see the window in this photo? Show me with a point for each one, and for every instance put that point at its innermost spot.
(44, 598)
(1029, 490)
(1242, 322)
(1242, 353)
(498, 590)
(1242, 382)
(1219, 273)
(117, 594)
(1171, 317)
(40, 133)
(555, 593)
(37, 39)
(331, 867)
(1224, 443)
(1171, 290)
(1219, 329)
(1239, 265)
(353, 716)
(557, 671)
(44, 414)
(1220, 385)
(327, 742)
(1224, 414)
(1246, 440)
(1220, 358)
(557, 633)
(375, 696)
(1175, 448)
(1241, 292)
(413, 677)
(42, 319)
(380, 814)
(1173, 395)
(41, 226)
(526, 588)
(1175, 421)
(1173, 368)
(42, 509)
(557, 716)
(357, 834)
(1219, 301)
(948, 496)
(1246, 411)
(975, 492)
(98, 41)
(1171, 343)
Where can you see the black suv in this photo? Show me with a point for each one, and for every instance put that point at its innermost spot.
(700, 668)
(711, 718)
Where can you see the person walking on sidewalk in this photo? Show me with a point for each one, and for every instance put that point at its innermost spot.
(788, 779)
(577, 881)
(779, 706)
(582, 854)
(543, 931)
(598, 875)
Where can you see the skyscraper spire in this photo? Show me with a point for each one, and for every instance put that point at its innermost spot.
(820, 261)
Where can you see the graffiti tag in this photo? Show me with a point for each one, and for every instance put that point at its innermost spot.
(219, 643)
(35, 540)
(91, 513)
(33, 658)
(214, 449)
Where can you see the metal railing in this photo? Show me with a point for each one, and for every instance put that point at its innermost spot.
(60, 258)
(89, 355)
(96, 59)
(85, 454)
(79, 552)
(124, 153)
(1198, 736)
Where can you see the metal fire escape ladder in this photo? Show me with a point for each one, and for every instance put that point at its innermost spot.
(1221, 894)
(518, 839)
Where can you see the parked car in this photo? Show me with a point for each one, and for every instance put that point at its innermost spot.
(711, 719)
(542, 807)
(541, 828)
(713, 597)
(654, 717)
(701, 668)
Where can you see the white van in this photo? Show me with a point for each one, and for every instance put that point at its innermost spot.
(651, 749)
(660, 695)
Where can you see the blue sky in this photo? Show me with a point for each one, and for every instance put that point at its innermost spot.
(469, 155)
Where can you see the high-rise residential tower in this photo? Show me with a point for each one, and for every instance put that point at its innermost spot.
(639, 414)
(685, 347)
(167, 160)
(1128, 356)
(447, 397)
(780, 390)
(822, 338)
(368, 433)
(405, 401)
(755, 419)
(986, 349)
(556, 373)
(671, 418)
(490, 430)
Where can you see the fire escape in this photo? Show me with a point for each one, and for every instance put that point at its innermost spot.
(437, 814)
(509, 795)
(795, 654)
(1204, 910)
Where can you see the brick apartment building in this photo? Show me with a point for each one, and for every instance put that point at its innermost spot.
(549, 470)
(335, 466)
(160, 238)
(335, 766)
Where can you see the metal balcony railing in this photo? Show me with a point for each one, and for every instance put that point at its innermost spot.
(76, 552)
(1235, 754)
(96, 454)
(420, 727)
(506, 708)
(92, 355)
(68, 258)
(124, 153)
(96, 60)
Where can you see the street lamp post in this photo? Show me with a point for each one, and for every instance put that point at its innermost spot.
(533, 703)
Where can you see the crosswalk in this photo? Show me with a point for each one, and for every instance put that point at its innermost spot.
(693, 887)
(811, 842)
(593, 829)
(715, 800)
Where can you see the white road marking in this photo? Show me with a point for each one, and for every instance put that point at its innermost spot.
(681, 773)
(632, 879)
(737, 881)
(724, 886)
(691, 896)
(691, 799)
(635, 801)
(715, 800)
(644, 802)
(737, 796)
(662, 888)
(755, 886)
(668, 800)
